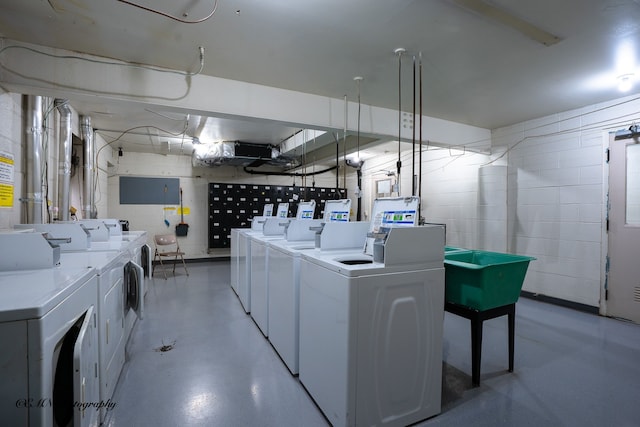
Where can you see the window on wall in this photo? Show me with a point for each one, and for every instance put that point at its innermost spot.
(633, 185)
(383, 188)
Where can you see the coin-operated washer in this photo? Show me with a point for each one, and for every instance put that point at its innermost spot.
(235, 236)
(274, 229)
(48, 335)
(284, 274)
(244, 254)
(371, 323)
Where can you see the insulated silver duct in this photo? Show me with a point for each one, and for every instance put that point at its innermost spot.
(34, 160)
(64, 159)
(89, 168)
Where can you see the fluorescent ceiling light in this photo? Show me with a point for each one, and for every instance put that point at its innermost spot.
(625, 82)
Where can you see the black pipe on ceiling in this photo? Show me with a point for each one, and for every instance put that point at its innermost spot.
(254, 172)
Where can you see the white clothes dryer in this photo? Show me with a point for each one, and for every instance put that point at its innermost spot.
(48, 333)
(109, 267)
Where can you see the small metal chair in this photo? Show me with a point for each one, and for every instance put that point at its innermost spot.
(167, 247)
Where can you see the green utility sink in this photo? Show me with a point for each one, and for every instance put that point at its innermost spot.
(483, 280)
(452, 250)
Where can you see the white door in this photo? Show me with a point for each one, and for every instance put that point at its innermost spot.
(623, 281)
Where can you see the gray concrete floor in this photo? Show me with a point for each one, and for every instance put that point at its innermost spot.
(571, 368)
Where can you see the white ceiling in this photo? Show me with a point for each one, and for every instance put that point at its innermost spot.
(475, 70)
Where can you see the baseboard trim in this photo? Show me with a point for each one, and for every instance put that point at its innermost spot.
(198, 260)
(561, 302)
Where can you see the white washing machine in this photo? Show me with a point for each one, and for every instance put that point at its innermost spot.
(244, 253)
(234, 258)
(274, 229)
(284, 272)
(371, 326)
(284, 285)
(235, 240)
(48, 330)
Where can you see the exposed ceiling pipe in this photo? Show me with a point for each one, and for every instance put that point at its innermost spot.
(335, 135)
(64, 159)
(344, 145)
(34, 160)
(420, 135)
(399, 52)
(413, 135)
(358, 80)
(89, 168)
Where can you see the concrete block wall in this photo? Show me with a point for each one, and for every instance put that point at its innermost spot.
(557, 196)
(492, 208)
(450, 191)
(195, 187)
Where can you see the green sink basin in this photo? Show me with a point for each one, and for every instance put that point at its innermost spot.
(453, 250)
(483, 280)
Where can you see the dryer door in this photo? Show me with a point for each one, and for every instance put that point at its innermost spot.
(86, 387)
(134, 279)
(145, 259)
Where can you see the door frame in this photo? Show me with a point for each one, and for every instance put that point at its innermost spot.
(604, 268)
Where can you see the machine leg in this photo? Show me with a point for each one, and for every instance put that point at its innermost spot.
(512, 322)
(476, 350)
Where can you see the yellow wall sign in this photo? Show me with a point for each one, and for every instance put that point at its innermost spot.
(6, 180)
(183, 211)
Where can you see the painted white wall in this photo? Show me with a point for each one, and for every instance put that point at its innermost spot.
(556, 196)
(195, 186)
(450, 191)
(42, 74)
(542, 192)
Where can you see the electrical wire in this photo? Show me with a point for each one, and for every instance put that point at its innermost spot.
(166, 15)
(592, 126)
(122, 64)
(123, 133)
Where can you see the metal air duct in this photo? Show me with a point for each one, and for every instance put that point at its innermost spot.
(89, 168)
(34, 160)
(64, 159)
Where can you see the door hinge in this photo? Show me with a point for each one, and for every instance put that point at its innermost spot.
(608, 155)
(606, 294)
(607, 225)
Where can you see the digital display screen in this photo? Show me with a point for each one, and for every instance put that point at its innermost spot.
(339, 216)
(398, 217)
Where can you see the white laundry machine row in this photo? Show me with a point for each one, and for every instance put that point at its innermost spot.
(371, 325)
(244, 252)
(274, 229)
(121, 285)
(49, 336)
(93, 236)
(235, 240)
(234, 259)
(284, 283)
